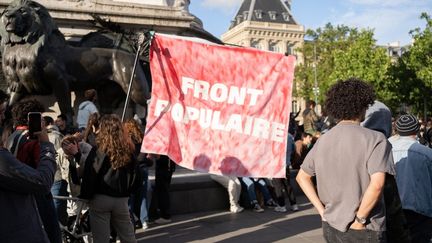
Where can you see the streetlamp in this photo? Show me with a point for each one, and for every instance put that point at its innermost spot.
(315, 88)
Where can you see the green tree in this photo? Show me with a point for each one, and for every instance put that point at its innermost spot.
(420, 54)
(417, 63)
(319, 51)
(340, 52)
(406, 84)
(365, 60)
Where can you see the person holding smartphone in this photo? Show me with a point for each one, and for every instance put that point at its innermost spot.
(24, 144)
(19, 183)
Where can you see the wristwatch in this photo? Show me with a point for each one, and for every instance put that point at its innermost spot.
(360, 220)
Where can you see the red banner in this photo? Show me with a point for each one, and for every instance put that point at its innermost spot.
(219, 109)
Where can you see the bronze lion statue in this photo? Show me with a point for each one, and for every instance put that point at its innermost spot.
(37, 60)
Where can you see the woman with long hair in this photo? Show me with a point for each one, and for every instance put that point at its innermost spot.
(109, 181)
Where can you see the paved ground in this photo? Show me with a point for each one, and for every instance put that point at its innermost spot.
(297, 227)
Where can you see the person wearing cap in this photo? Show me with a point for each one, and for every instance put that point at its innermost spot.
(413, 163)
(350, 163)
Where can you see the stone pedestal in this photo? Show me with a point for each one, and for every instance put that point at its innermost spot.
(73, 17)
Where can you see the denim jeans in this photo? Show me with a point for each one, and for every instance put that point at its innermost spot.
(138, 202)
(250, 184)
(59, 188)
(332, 235)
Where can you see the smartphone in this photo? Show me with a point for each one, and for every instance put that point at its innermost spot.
(34, 122)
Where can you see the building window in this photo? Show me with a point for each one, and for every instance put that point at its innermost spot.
(272, 15)
(274, 47)
(256, 44)
(288, 4)
(290, 49)
(258, 13)
(245, 15)
(239, 19)
(286, 16)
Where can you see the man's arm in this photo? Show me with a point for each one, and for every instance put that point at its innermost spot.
(18, 177)
(305, 182)
(370, 198)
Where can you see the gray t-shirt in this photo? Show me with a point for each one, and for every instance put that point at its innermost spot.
(343, 160)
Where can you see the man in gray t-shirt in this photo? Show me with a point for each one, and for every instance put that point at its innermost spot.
(349, 163)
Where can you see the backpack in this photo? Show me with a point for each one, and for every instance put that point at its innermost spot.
(15, 140)
(24, 149)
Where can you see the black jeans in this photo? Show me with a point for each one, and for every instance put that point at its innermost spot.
(332, 235)
(160, 202)
(420, 226)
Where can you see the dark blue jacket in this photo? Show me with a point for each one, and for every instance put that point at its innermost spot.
(19, 217)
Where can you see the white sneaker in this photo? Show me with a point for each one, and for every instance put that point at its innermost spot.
(236, 209)
(144, 226)
(281, 209)
(295, 208)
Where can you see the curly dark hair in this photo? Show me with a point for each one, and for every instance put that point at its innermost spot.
(134, 130)
(348, 99)
(113, 141)
(21, 109)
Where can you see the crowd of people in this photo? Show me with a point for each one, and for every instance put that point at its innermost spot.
(368, 174)
(98, 162)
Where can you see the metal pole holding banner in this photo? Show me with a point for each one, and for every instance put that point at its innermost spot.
(140, 42)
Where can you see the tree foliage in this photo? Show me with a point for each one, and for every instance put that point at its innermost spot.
(412, 73)
(319, 51)
(364, 60)
(343, 52)
(420, 54)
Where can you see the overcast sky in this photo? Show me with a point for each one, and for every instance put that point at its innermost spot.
(391, 19)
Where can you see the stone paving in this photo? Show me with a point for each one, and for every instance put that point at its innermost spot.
(303, 226)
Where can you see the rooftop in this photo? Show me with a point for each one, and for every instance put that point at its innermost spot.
(270, 11)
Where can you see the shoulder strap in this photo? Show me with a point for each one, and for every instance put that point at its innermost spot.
(15, 140)
(83, 105)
